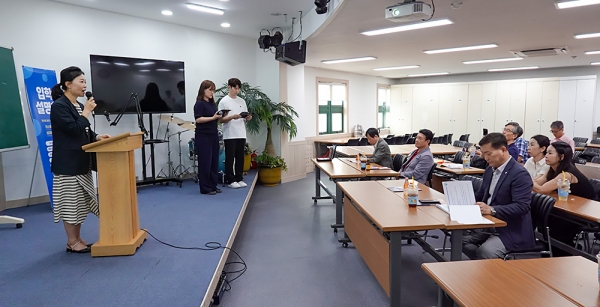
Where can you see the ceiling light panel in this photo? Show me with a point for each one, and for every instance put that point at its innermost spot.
(514, 68)
(367, 58)
(205, 9)
(492, 60)
(460, 49)
(416, 26)
(575, 3)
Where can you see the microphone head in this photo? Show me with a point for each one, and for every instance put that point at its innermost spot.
(88, 95)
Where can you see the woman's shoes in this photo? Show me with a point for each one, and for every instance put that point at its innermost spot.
(90, 245)
(70, 249)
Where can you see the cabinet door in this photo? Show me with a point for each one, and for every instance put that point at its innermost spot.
(584, 108)
(395, 109)
(550, 90)
(518, 93)
(474, 111)
(445, 111)
(405, 111)
(502, 106)
(431, 114)
(419, 107)
(567, 95)
(460, 108)
(488, 106)
(533, 105)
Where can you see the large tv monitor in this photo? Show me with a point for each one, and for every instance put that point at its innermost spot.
(159, 84)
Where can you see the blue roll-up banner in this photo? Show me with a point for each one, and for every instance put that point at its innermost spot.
(39, 83)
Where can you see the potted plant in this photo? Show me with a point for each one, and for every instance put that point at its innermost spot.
(269, 168)
(264, 110)
(247, 157)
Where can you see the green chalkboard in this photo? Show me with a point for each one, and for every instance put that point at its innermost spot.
(13, 132)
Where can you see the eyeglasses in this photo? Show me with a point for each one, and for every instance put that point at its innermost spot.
(508, 130)
(553, 131)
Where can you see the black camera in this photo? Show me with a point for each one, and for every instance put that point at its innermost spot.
(244, 114)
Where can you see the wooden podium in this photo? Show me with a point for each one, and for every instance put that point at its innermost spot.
(120, 232)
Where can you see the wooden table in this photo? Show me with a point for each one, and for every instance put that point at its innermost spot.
(458, 171)
(491, 282)
(368, 203)
(592, 145)
(371, 173)
(319, 144)
(436, 149)
(575, 278)
(337, 170)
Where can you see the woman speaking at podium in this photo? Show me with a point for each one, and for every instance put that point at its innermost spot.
(74, 195)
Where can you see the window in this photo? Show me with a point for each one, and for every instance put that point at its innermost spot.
(331, 101)
(383, 107)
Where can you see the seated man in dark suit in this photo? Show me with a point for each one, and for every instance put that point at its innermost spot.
(506, 194)
(420, 161)
(381, 154)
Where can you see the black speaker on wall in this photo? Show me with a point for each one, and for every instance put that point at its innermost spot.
(292, 53)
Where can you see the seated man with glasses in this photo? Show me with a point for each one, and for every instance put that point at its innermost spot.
(558, 130)
(510, 133)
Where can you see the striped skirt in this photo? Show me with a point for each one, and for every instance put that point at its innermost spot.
(74, 197)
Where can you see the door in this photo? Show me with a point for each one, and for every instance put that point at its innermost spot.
(405, 111)
(419, 107)
(567, 95)
(488, 105)
(431, 113)
(395, 106)
(445, 111)
(474, 111)
(584, 108)
(550, 95)
(502, 106)
(518, 93)
(533, 106)
(460, 109)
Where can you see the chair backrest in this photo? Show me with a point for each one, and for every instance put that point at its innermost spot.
(456, 143)
(580, 140)
(458, 157)
(467, 137)
(363, 142)
(414, 134)
(389, 136)
(397, 162)
(596, 184)
(467, 145)
(430, 175)
(580, 144)
(449, 141)
(476, 181)
(463, 137)
(595, 141)
(352, 142)
(397, 140)
(410, 140)
(479, 162)
(445, 139)
(596, 159)
(589, 153)
(541, 206)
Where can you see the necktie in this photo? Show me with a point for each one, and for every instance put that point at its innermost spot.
(410, 159)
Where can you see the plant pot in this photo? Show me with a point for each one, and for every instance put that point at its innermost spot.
(247, 162)
(269, 176)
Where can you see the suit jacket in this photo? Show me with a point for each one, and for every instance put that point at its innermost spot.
(511, 199)
(68, 134)
(382, 154)
(419, 166)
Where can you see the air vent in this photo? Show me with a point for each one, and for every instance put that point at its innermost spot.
(418, 7)
(541, 52)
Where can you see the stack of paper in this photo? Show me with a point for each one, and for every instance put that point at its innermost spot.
(461, 203)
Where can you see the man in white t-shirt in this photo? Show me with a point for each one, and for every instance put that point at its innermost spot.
(234, 133)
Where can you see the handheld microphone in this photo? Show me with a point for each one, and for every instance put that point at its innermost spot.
(89, 95)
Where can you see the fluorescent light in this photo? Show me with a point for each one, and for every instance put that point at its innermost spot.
(144, 70)
(163, 69)
(396, 67)
(205, 9)
(167, 13)
(492, 60)
(367, 58)
(430, 74)
(121, 64)
(144, 63)
(421, 25)
(460, 49)
(102, 62)
(595, 63)
(575, 3)
(593, 52)
(514, 68)
(181, 69)
(589, 35)
(225, 25)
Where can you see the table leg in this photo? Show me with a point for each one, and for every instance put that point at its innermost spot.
(317, 182)
(339, 197)
(456, 245)
(395, 268)
(443, 299)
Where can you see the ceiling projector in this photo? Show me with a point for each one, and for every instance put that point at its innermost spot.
(410, 10)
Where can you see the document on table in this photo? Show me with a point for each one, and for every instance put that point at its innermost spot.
(461, 203)
(452, 166)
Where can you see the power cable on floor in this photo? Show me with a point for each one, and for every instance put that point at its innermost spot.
(210, 246)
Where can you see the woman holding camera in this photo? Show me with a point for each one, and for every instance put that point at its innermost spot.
(207, 138)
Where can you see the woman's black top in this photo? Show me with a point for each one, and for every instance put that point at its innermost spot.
(204, 108)
(583, 187)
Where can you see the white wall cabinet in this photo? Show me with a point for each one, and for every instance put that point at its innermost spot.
(468, 108)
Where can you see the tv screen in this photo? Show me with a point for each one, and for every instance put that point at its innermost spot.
(159, 84)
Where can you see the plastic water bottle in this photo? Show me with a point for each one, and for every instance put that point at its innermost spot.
(413, 193)
(472, 150)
